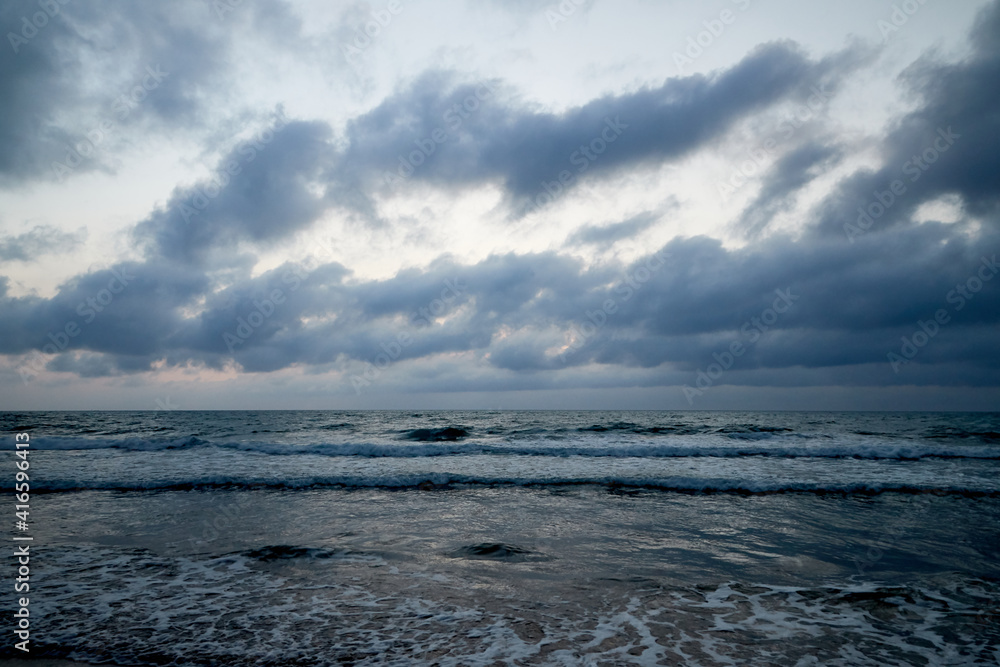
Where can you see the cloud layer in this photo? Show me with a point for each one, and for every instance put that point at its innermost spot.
(842, 300)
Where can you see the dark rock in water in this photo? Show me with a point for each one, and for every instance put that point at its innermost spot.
(498, 551)
(287, 552)
(449, 434)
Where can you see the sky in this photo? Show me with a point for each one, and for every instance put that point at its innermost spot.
(592, 204)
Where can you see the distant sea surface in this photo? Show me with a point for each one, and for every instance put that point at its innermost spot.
(512, 538)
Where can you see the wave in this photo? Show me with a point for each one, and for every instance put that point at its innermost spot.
(498, 551)
(434, 446)
(70, 443)
(336, 427)
(752, 428)
(153, 436)
(453, 433)
(731, 430)
(736, 430)
(844, 451)
(449, 434)
(447, 481)
(953, 432)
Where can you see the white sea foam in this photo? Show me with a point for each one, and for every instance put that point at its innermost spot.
(215, 467)
(686, 447)
(126, 605)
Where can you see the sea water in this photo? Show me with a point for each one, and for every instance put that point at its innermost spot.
(513, 538)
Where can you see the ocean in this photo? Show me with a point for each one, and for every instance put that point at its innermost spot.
(481, 538)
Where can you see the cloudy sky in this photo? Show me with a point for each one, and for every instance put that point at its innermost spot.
(761, 204)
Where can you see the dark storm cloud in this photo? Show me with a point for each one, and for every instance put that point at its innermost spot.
(96, 59)
(481, 139)
(40, 240)
(354, 319)
(783, 181)
(282, 297)
(848, 304)
(131, 309)
(949, 145)
(843, 306)
(609, 234)
(261, 190)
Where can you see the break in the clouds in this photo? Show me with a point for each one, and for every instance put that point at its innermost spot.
(213, 200)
